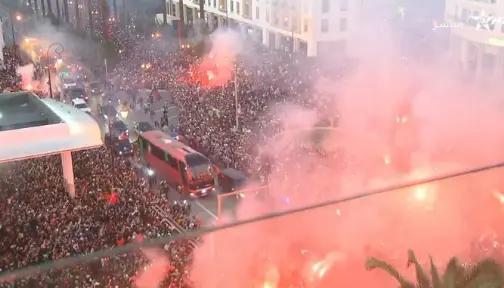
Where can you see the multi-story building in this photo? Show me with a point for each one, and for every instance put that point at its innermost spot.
(312, 27)
(477, 35)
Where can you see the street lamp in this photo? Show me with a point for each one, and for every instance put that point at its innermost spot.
(57, 48)
(18, 17)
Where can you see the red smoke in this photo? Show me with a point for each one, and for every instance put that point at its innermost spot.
(396, 124)
(154, 273)
(216, 68)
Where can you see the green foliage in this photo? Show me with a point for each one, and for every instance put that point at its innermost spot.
(484, 274)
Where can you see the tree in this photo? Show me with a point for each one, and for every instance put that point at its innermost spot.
(484, 274)
(181, 25)
(35, 7)
(114, 5)
(42, 2)
(49, 8)
(105, 13)
(165, 12)
(58, 11)
(77, 14)
(202, 10)
(90, 16)
(65, 11)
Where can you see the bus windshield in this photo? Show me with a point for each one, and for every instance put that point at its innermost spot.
(198, 165)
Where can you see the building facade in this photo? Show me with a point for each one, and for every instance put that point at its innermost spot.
(477, 35)
(310, 27)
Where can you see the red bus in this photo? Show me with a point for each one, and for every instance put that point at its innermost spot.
(179, 164)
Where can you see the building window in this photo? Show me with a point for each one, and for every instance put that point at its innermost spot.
(257, 12)
(267, 16)
(343, 24)
(231, 6)
(238, 7)
(343, 5)
(246, 10)
(324, 26)
(325, 6)
(305, 26)
(214, 3)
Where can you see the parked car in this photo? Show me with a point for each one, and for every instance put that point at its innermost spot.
(119, 131)
(69, 83)
(76, 92)
(109, 111)
(80, 104)
(231, 180)
(95, 88)
(123, 147)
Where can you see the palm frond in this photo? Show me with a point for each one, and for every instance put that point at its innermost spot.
(436, 279)
(485, 274)
(454, 274)
(422, 278)
(373, 263)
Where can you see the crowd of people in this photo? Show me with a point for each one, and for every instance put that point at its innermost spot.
(9, 80)
(41, 222)
(207, 116)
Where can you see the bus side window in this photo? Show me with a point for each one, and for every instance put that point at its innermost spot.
(171, 161)
(182, 170)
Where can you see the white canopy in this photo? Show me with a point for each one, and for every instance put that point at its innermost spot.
(31, 127)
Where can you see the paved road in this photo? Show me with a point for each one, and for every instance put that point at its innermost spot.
(204, 209)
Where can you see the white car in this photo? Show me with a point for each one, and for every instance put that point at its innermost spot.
(81, 104)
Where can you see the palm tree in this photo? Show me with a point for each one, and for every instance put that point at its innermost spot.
(484, 274)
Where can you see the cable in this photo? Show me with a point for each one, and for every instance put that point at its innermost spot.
(82, 259)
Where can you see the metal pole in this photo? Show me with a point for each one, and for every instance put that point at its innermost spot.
(219, 206)
(293, 42)
(58, 49)
(112, 156)
(50, 84)
(13, 33)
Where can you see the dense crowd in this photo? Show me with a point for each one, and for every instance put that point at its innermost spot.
(207, 115)
(41, 222)
(9, 80)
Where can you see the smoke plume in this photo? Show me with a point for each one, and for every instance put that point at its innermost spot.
(399, 120)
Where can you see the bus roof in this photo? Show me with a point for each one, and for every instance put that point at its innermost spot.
(168, 144)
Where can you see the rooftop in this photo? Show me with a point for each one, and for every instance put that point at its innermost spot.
(31, 127)
(21, 110)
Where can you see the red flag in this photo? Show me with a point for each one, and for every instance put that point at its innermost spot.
(113, 198)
